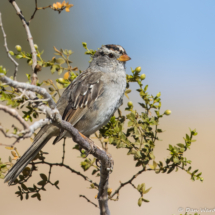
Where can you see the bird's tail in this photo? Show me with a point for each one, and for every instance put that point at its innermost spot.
(42, 137)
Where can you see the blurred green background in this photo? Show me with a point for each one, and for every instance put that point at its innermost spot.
(173, 42)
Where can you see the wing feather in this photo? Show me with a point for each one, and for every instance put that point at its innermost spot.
(83, 91)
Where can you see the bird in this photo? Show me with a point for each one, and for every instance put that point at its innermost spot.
(87, 103)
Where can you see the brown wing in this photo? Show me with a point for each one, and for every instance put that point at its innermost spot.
(83, 91)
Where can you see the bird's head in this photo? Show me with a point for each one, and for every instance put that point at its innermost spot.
(110, 57)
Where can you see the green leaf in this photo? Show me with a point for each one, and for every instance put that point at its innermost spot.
(159, 94)
(139, 201)
(59, 86)
(38, 197)
(60, 71)
(145, 200)
(171, 169)
(154, 164)
(31, 189)
(142, 105)
(56, 183)
(60, 61)
(84, 45)
(152, 156)
(41, 183)
(24, 187)
(128, 91)
(146, 87)
(34, 195)
(181, 145)
(44, 177)
(11, 52)
(176, 160)
(151, 166)
(146, 191)
(110, 140)
(19, 56)
(130, 123)
(53, 68)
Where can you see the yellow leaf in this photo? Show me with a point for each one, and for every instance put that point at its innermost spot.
(126, 95)
(63, 3)
(55, 6)
(128, 91)
(59, 5)
(75, 69)
(13, 153)
(66, 75)
(56, 50)
(154, 164)
(68, 6)
(109, 191)
(59, 86)
(9, 148)
(15, 158)
(67, 9)
(96, 196)
(151, 167)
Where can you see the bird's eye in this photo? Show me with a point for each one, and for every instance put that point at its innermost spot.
(110, 55)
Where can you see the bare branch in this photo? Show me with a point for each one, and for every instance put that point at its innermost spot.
(36, 9)
(127, 182)
(69, 168)
(14, 114)
(35, 101)
(30, 40)
(8, 135)
(89, 200)
(28, 130)
(7, 50)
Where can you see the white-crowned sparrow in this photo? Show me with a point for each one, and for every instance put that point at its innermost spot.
(87, 103)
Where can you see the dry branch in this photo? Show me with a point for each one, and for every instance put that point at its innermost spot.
(7, 50)
(30, 40)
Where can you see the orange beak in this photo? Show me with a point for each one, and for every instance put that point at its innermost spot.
(124, 58)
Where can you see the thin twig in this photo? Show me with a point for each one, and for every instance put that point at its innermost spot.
(69, 168)
(7, 50)
(64, 143)
(27, 131)
(89, 200)
(8, 135)
(33, 101)
(36, 9)
(14, 114)
(30, 40)
(127, 182)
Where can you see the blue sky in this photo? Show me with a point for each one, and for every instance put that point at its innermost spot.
(173, 41)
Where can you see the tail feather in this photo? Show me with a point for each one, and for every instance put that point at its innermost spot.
(43, 136)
